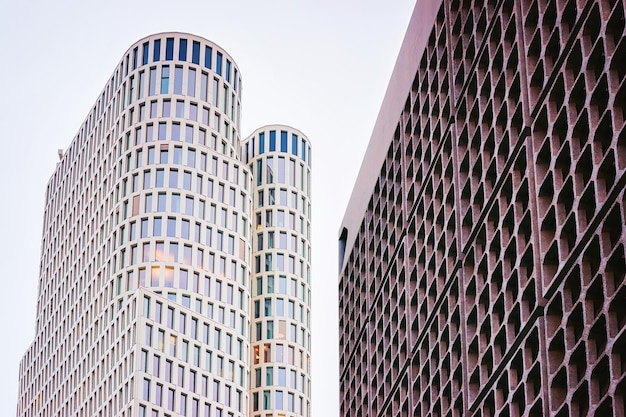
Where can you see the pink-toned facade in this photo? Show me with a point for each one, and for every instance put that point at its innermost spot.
(482, 253)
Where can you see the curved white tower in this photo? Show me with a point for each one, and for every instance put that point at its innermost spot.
(280, 158)
(144, 297)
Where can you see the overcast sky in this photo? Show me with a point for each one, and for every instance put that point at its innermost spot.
(321, 66)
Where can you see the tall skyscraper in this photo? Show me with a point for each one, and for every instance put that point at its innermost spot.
(482, 253)
(175, 265)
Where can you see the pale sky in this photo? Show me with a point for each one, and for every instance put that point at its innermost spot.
(321, 66)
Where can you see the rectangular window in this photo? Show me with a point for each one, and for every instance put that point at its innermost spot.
(178, 80)
(182, 50)
(169, 49)
(261, 143)
(294, 144)
(204, 84)
(135, 51)
(191, 82)
(272, 140)
(144, 58)
(218, 63)
(208, 56)
(195, 52)
(283, 141)
(152, 86)
(215, 92)
(227, 71)
(165, 79)
(157, 50)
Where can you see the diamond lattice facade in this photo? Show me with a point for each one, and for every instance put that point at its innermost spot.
(482, 254)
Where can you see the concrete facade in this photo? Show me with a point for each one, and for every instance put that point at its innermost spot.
(482, 256)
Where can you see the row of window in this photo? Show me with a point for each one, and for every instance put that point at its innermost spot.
(282, 400)
(173, 178)
(280, 330)
(184, 50)
(172, 202)
(181, 109)
(277, 352)
(188, 157)
(256, 145)
(268, 172)
(180, 81)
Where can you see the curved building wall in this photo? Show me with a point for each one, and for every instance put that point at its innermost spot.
(280, 158)
(143, 304)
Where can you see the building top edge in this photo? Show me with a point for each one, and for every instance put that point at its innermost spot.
(411, 50)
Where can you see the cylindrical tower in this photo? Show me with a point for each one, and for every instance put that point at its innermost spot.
(144, 298)
(280, 160)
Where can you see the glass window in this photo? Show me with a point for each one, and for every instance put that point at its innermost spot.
(191, 82)
(272, 140)
(218, 63)
(261, 143)
(144, 59)
(165, 79)
(169, 49)
(208, 55)
(152, 86)
(195, 52)
(294, 144)
(204, 84)
(178, 80)
(283, 141)
(182, 50)
(157, 50)
(281, 170)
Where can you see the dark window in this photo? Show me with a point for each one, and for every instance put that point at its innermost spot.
(303, 150)
(195, 52)
(294, 144)
(261, 143)
(182, 50)
(157, 50)
(208, 55)
(169, 49)
(235, 80)
(145, 53)
(227, 70)
(272, 140)
(283, 141)
(218, 64)
(135, 58)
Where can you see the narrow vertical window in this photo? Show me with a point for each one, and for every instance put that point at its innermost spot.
(140, 88)
(215, 90)
(218, 63)
(195, 52)
(294, 144)
(227, 70)
(144, 58)
(261, 143)
(165, 79)
(157, 50)
(182, 50)
(272, 140)
(191, 82)
(135, 52)
(178, 80)
(169, 49)
(208, 56)
(152, 87)
(283, 141)
(204, 85)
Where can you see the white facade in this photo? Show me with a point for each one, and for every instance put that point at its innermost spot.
(279, 157)
(145, 298)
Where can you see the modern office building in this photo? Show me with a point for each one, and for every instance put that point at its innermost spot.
(482, 253)
(175, 264)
